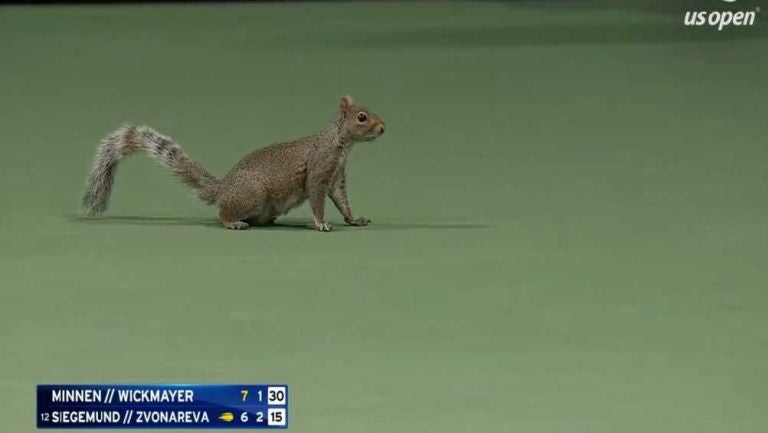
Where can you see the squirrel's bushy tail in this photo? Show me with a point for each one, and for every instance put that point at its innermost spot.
(129, 139)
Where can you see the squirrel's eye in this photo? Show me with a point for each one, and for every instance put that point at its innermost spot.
(362, 117)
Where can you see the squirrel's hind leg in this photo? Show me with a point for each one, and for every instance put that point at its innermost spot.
(240, 211)
(236, 225)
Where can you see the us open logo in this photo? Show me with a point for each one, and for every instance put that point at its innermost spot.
(721, 19)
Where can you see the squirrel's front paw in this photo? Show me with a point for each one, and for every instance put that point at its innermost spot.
(323, 226)
(360, 222)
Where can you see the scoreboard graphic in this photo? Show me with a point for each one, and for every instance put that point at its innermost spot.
(162, 406)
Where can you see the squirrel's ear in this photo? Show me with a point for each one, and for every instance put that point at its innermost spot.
(346, 103)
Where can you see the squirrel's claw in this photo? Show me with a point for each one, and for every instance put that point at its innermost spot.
(359, 222)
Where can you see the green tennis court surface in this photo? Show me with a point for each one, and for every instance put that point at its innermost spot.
(570, 213)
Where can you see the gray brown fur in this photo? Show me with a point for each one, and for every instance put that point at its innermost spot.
(264, 184)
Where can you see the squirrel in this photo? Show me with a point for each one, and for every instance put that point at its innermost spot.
(264, 184)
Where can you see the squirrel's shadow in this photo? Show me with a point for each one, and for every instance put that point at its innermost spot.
(286, 224)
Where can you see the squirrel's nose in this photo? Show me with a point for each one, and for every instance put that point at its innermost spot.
(381, 128)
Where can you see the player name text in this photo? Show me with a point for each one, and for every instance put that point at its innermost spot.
(123, 396)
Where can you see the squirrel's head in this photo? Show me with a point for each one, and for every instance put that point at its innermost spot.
(358, 123)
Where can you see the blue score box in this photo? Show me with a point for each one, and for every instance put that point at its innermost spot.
(162, 406)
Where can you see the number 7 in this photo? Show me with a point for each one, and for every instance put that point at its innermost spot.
(245, 394)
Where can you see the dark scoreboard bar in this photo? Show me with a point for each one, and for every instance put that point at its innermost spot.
(162, 406)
